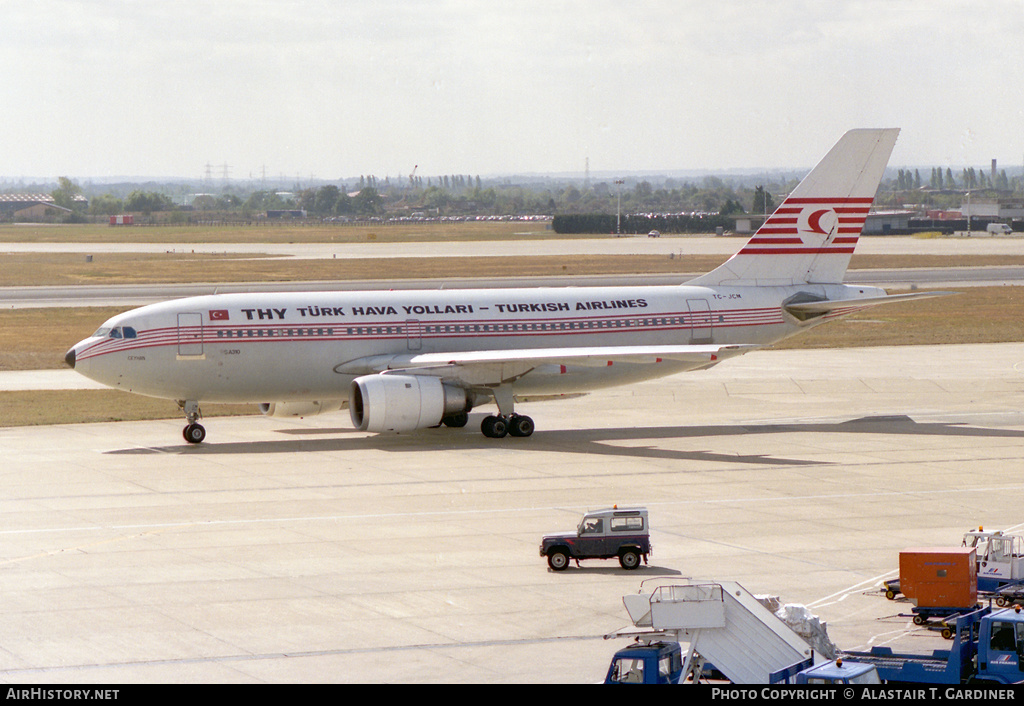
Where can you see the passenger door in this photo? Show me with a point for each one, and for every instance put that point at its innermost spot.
(190, 335)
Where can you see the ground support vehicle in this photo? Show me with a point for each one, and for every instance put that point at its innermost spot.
(1000, 567)
(723, 625)
(987, 647)
(646, 663)
(726, 626)
(615, 533)
(1000, 564)
(837, 672)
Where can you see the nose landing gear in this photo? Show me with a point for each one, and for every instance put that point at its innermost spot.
(193, 432)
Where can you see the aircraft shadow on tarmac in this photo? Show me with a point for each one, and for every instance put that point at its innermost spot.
(598, 442)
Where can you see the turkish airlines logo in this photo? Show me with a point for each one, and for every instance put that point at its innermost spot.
(817, 226)
(218, 315)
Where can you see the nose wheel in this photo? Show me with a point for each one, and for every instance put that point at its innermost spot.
(193, 432)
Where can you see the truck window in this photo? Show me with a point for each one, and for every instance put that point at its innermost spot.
(592, 525)
(628, 671)
(668, 664)
(627, 524)
(999, 549)
(1003, 637)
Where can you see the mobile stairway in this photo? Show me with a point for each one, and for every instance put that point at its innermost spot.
(724, 625)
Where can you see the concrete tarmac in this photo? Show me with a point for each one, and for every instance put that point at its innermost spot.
(302, 551)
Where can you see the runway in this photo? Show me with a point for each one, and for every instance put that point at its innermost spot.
(303, 551)
(130, 295)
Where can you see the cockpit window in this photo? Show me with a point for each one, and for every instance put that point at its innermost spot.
(116, 332)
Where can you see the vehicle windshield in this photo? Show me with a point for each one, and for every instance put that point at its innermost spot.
(628, 671)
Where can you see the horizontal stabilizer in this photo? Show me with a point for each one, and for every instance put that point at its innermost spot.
(807, 310)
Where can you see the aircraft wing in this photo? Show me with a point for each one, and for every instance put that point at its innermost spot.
(807, 310)
(490, 367)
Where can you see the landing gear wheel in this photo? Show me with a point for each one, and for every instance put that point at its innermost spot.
(520, 425)
(558, 560)
(629, 559)
(194, 433)
(494, 427)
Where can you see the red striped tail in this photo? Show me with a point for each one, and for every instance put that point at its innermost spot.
(811, 236)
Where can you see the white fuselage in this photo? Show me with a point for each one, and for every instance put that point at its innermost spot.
(290, 347)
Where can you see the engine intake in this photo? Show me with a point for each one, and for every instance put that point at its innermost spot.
(402, 402)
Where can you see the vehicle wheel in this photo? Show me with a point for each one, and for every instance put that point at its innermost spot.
(194, 433)
(558, 560)
(494, 427)
(1002, 601)
(890, 594)
(947, 633)
(918, 620)
(520, 425)
(629, 559)
(457, 420)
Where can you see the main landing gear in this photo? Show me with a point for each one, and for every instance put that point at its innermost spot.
(193, 432)
(498, 426)
(506, 422)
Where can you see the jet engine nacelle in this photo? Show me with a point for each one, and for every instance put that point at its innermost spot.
(402, 402)
(301, 409)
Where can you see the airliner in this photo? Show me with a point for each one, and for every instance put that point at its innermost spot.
(406, 360)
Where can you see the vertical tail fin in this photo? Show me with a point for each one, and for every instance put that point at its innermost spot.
(811, 236)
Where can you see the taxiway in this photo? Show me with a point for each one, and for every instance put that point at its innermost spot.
(303, 551)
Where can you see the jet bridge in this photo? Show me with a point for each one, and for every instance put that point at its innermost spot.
(724, 625)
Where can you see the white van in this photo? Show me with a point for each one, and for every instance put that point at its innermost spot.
(998, 229)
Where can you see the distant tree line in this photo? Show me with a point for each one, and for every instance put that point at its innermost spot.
(464, 195)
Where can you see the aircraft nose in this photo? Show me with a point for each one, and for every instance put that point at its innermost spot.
(70, 358)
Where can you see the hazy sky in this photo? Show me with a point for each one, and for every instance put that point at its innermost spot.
(339, 88)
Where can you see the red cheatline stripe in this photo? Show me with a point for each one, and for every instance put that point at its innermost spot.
(829, 200)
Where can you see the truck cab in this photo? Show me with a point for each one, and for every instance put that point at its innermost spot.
(839, 672)
(621, 533)
(1000, 557)
(1001, 647)
(640, 663)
